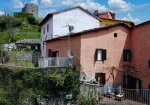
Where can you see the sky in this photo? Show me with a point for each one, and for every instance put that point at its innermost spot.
(137, 11)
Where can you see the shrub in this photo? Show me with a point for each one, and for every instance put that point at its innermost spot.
(25, 85)
(4, 57)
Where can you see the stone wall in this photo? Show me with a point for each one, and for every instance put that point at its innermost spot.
(28, 56)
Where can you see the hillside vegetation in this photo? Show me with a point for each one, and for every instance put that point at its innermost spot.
(18, 26)
(20, 86)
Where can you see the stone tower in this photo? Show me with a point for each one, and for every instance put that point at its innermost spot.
(31, 8)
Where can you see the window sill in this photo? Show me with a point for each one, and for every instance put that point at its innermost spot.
(126, 61)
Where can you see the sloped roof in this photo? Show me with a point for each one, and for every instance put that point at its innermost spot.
(120, 21)
(92, 30)
(51, 14)
(28, 41)
(141, 24)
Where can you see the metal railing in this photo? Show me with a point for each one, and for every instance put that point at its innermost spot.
(138, 95)
(115, 95)
(54, 62)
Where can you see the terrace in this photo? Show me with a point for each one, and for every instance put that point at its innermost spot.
(54, 62)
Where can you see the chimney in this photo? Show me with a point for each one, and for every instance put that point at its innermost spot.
(113, 15)
(107, 15)
(96, 12)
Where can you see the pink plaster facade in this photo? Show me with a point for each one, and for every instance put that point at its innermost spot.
(104, 39)
(61, 45)
(141, 52)
(85, 44)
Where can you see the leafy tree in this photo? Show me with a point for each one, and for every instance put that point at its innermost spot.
(25, 85)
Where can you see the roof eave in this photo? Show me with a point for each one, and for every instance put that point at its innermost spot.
(51, 14)
(91, 30)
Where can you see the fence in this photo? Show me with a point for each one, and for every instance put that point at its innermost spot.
(110, 95)
(54, 62)
(138, 95)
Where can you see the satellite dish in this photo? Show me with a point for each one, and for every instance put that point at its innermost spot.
(71, 28)
(70, 54)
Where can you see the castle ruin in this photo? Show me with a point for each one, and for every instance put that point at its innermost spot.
(31, 8)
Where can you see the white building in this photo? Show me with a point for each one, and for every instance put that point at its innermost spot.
(56, 24)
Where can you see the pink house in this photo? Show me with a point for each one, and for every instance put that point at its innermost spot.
(103, 51)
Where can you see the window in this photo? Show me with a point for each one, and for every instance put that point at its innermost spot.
(149, 86)
(115, 35)
(100, 55)
(149, 64)
(127, 55)
(100, 78)
(38, 47)
(47, 27)
(32, 47)
(43, 44)
(55, 53)
(44, 30)
(49, 52)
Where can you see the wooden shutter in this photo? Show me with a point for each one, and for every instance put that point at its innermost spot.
(95, 58)
(96, 76)
(140, 84)
(130, 55)
(49, 52)
(124, 55)
(149, 64)
(104, 54)
(103, 75)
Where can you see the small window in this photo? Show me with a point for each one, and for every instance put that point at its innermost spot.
(47, 27)
(100, 78)
(44, 30)
(115, 35)
(127, 55)
(32, 47)
(100, 55)
(39, 47)
(149, 64)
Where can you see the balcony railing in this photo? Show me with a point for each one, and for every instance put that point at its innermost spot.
(54, 62)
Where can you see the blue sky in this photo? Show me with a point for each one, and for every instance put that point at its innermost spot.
(133, 10)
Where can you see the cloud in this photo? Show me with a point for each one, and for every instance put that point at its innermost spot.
(119, 5)
(46, 2)
(130, 18)
(91, 6)
(2, 13)
(43, 13)
(67, 2)
(34, 2)
(142, 6)
(18, 4)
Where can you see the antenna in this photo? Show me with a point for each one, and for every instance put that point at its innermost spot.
(71, 28)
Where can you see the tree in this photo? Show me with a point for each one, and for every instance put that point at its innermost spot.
(10, 30)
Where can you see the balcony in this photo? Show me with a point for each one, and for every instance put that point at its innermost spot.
(54, 62)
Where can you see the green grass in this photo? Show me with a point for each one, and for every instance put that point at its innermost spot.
(28, 36)
(26, 27)
(22, 63)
